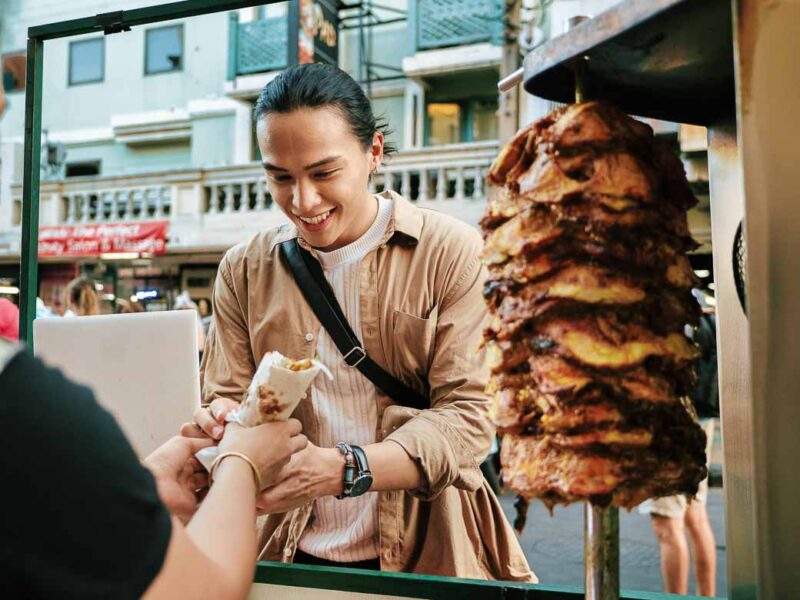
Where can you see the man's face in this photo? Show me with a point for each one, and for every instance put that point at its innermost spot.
(318, 173)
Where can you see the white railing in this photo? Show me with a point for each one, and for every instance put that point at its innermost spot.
(450, 173)
(449, 178)
(126, 204)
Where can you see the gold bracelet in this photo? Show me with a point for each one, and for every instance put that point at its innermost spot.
(245, 458)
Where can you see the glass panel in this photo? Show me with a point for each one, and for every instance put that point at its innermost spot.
(164, 49)
(86, 61)
(445, 123)
(484, 120)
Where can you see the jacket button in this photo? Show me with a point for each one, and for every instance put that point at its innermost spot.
(309, 337)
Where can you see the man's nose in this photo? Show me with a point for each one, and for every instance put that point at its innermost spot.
(305, 197)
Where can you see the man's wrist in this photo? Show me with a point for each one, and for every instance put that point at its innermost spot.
(336, 463)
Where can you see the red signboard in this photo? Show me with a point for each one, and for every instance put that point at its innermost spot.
(145, 237)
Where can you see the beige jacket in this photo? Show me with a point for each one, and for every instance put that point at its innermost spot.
(422, 315)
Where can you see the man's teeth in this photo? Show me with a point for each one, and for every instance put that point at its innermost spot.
(315, 220)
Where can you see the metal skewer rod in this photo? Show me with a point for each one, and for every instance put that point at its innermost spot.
(600, 525)
(601, 552)
(511, 81)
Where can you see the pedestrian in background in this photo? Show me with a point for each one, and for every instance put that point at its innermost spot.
(81, 298)
(673, 517)
(9, 320)
(184, 302)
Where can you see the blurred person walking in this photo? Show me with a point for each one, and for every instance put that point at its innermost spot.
(9, 320)
(184, 302)
(674, 517)
(81, 298)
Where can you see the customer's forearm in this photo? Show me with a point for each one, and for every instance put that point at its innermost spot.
(392, 468)
(224, 526)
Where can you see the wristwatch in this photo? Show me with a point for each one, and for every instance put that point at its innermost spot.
(357, 477)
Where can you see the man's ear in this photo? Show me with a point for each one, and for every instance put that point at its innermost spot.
(376, 151)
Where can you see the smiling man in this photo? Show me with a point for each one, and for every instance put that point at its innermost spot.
(409, 283)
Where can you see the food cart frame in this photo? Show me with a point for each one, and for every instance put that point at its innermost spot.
(731, 65)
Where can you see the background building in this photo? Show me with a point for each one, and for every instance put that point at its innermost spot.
(155, 124)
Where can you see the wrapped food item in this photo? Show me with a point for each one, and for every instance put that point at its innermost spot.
(275, 391)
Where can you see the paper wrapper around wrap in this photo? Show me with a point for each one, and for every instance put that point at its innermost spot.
(277, 388)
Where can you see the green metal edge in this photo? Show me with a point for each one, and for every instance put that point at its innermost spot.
(422, 586)
(29, 251)
(405, 584)
(142, 16)
(353, 580)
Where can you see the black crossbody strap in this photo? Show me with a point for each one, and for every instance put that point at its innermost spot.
(317, 291)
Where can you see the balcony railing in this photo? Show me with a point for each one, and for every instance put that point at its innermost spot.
(224, 204)
(442, 23)
(442, 176)
(258, 46)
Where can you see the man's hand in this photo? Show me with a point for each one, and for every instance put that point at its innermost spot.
(311, 473)
(178, 474)
(209, 421)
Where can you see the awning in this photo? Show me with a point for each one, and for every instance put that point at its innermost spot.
(144, 237)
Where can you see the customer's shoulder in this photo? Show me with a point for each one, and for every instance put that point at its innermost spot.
(446, 231)
(258, 247)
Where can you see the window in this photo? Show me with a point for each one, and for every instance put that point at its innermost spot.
(87, 61)
(444, 123)
(83, 169)
(14, 67)
(163, 49)
(459, 121)
(484, 120)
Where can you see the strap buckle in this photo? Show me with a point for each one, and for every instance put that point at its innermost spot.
(353, 361)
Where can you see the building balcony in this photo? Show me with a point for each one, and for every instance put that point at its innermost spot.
(257, 46)
(446, 23)
(213, 209)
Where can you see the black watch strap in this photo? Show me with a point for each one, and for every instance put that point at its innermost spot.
(361, 460)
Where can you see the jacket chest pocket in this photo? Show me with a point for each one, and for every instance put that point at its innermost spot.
(413, 339)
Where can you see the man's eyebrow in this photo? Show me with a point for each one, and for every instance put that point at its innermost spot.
(324, 161)
(319, 163)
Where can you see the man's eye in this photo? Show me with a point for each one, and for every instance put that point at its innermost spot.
(281, 178)
(325, 174)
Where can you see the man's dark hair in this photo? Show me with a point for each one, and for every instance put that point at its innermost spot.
(319, 85)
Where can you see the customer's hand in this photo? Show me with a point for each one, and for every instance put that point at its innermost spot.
(179, 476)
(269, 446)
(209, 421)
(310, 474)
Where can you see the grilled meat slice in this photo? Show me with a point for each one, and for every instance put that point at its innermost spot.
(600, 342)
(620, 175)
(533, 466)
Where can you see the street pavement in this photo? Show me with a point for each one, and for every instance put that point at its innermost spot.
(554, 545)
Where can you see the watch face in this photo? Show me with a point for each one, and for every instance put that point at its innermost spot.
(361, 485)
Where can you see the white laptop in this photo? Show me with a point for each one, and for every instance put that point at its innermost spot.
(142, 367)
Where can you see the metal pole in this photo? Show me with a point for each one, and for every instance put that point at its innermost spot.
(29, 251)
(600, 525)
(601, 552)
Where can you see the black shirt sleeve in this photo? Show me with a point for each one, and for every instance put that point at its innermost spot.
(79, 515)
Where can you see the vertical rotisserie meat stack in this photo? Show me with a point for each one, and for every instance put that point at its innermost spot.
(589, 293)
